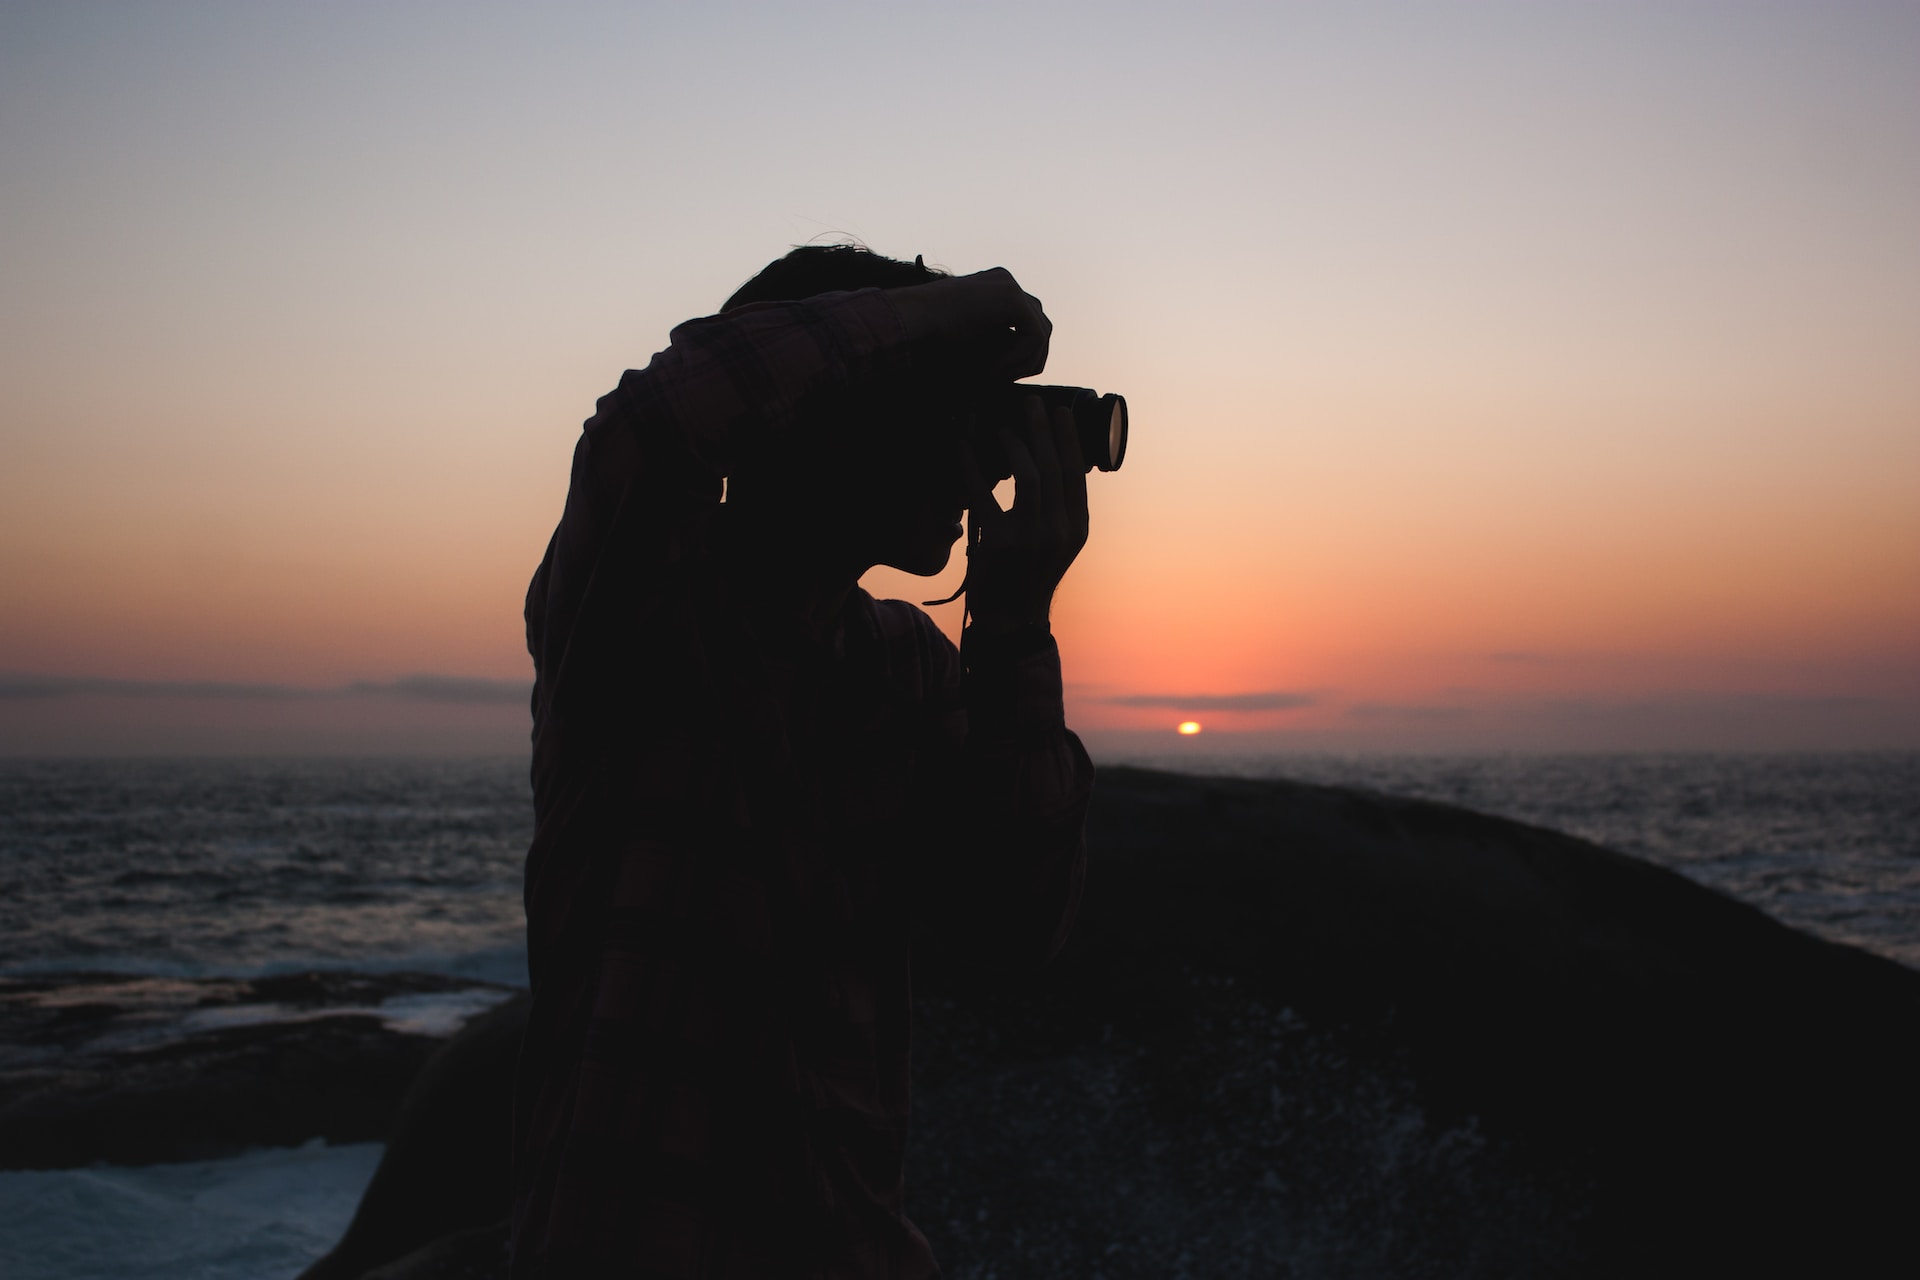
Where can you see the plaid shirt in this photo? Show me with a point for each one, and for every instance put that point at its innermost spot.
(742, 835)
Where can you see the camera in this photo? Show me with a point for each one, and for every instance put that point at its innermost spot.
(1100, 421)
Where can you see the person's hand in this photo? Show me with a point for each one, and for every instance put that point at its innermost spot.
(1023, 552)
(983, 324)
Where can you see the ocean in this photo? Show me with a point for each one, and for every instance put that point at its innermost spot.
(198, 868)
(237, 868)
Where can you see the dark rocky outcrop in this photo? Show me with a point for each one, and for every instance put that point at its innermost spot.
(437, 1204)
(140, 1070)
(478, 1253)
(1595, 1064)
(1309, 1031)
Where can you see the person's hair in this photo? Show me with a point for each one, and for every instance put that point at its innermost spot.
(829, 268)
(794, 465)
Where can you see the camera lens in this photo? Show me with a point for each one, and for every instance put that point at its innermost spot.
(1116, 433)
(1100, 421)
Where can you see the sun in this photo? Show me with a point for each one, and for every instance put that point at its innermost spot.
(1188, 728)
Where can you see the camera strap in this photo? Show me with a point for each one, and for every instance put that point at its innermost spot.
(973, 540)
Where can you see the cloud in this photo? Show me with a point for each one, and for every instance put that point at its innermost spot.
(1406, 711)
(1272, 700)
(416, 688)
(465, 689)
(16, 686)
(1713, 704)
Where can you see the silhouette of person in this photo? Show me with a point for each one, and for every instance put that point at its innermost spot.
(759, 792)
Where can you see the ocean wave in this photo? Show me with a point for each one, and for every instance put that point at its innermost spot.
(265, 1213)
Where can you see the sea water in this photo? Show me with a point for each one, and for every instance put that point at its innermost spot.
(259, 1216)
(195, 868)
(1826, 842)
(198, 868)
(238, 868)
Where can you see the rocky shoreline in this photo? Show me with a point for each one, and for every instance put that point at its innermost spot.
(1299, 1030)
(134, 1069)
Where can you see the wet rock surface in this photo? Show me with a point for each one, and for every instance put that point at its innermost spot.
(1678, 1082)
(1312, 1031)
(437, 1204)
(143, 1070)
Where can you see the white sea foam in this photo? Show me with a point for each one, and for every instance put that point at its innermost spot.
(420, 1013)
(261, 1216)
(437, 1013)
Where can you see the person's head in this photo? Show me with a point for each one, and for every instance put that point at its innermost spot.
(869, 476)
(813, 269)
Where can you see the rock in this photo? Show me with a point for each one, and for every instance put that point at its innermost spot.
(136, 1070)
(476, 1254)
(1307, 1030)
(1636, 1072)
(446, 1168)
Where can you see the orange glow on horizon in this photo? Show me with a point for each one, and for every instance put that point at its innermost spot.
(1430, 413)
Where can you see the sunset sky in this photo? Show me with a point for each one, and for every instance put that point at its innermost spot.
(1524, 377)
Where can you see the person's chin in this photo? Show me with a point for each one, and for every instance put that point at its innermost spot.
(927, 559)
(930, 562)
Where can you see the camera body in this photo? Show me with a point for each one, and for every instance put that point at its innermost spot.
(1100, 422)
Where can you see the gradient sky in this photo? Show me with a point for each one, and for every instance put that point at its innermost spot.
(1504, 376)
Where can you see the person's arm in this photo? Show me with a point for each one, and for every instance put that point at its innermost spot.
(608, 618)
(1001, 892)
(651, 460)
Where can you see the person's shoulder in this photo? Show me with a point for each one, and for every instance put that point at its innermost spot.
(903, 618)
(919, 654)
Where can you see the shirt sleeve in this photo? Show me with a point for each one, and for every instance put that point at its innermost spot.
(999, 895)
(648, 468)
(610, 614)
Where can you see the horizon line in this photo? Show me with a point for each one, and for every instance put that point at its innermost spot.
(481, 690)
